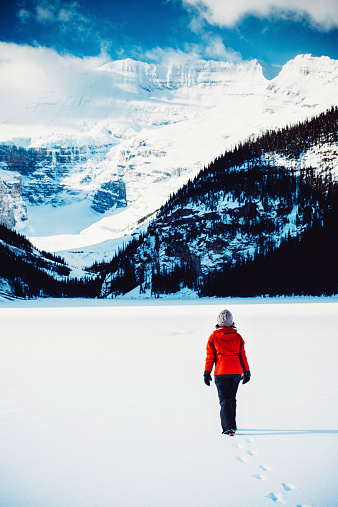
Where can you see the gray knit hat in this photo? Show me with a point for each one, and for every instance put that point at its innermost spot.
(225, 318)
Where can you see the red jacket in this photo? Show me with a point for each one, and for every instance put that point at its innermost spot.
(225, 349)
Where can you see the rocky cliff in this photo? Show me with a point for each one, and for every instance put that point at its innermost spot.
(100, 149)
(12, 206)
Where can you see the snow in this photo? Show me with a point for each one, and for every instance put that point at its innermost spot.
(9, 177)
(103, 403)
(184, 293)
(153, 126)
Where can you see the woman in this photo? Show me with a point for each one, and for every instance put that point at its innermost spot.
(225, 350)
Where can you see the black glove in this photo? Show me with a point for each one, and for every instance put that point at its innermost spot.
(207, 378)
(246, 377)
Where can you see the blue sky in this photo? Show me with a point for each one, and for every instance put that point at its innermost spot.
(273, 31)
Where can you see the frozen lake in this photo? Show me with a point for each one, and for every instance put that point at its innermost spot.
(104, 405)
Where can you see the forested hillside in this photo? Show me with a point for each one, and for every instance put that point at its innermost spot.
(26, 272)
(261, 219)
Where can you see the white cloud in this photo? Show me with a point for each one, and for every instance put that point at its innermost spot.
(45, 14)
(65, 15)
(24, 15)
(214, 48)
(210, 47)
(322, 14)
(38, 75)
(170, 56)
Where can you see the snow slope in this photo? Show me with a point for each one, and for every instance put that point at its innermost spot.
(159, 125)
(104, 404)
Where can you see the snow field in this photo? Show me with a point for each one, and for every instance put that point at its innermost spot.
(106, 406)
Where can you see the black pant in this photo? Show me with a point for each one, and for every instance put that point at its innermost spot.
(227, 386)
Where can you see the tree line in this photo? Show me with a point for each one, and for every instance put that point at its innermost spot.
(243, 175)
(241, 194)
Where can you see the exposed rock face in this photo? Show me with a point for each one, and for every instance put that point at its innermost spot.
(44, 169)
(12, 207)
(6, 212)
(155, 126)
(26, 161)
(57, 175)
(111, 195)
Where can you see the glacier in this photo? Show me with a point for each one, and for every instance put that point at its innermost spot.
(120, 137)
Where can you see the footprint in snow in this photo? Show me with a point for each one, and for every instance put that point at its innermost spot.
(249, 452)
(239, 446)
(276, 497)
(261, 477)
(265, 468)
(288, 487)
(242, 459)
(252, 452)
(280, 496)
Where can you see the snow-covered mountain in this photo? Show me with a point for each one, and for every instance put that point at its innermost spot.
(100, 147)
(246, 224)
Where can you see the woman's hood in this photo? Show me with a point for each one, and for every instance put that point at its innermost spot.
(226, 333)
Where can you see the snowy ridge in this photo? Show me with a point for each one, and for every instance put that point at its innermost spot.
(171, 78)
(258, 199)
(144, 130)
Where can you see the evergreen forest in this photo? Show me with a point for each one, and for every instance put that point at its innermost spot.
(259, 220)
(31, 273)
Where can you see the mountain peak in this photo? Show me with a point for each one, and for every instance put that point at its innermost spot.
(139, 130)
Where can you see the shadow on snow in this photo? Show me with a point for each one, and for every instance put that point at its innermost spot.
(257, 432)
